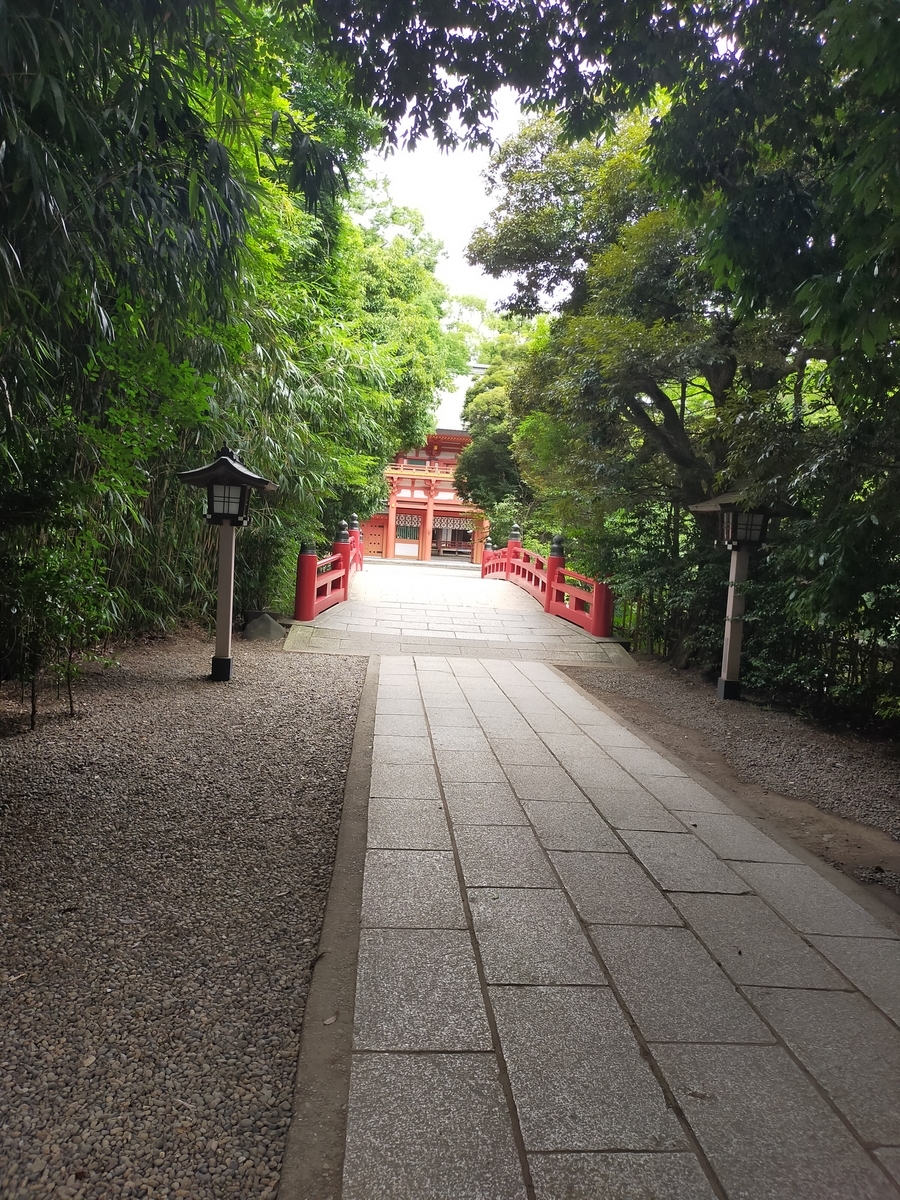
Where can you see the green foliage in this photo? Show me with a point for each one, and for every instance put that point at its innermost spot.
(177, 269)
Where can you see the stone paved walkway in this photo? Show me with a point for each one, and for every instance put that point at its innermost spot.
(583, 976)
(442, 609)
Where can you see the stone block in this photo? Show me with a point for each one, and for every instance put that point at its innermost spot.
(611, 889)
(502, 856)
(578, 1079)
(522, 752)
(408, 725)
(871, 964)
(465, 766)
(618, 1177)
(766, 1131)
(544, 783)
(812, 904)
(413, 889)
(429, 1126)
(753, 944)
(407, 825)
(631, 807)
(400, 750)
(418, 989)
(683, 794)
(529, 935)
(466, 739)
(263, 629)
(565, 826)
(392, 781)
(680, 863)
(672, 987)
(483, 804)
(735, 838)
(643, 762)
(849, 1047)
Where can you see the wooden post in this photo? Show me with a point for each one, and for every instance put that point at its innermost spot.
(221, 663)
(342, 547)
(556, 561)
(513, 547)
(427, 522)
(729, 681)
(601, 611)
(305, 595)
(390, 533)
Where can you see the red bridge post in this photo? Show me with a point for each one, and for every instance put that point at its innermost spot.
(343, 547)
(513, 547)
(305, 596)
(556, 561)
(601, 611)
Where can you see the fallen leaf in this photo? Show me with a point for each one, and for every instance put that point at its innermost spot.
(89, 1061)
(330, 1020)
(13, 978)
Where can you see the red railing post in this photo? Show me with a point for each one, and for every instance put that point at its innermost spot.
(487, 553)
(556, 561)
(342, 546)
(305, 596)
(513, 547)
(356, 541)
(601, 611)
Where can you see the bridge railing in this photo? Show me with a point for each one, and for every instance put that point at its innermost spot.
(323, 582)
(585, 602)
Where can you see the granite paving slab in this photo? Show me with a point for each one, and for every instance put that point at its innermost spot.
(578, 1079)
(529, 935)
(418, 989)
(611, 889)
(812, 904)
(407, 825)
(483, 804)
(429, 1127)
(563, 826)
(683, 794)
(618, 1177)
(502, 856)
(395, 749)
(849, 1047)
(733, 837)
(767, 1132)
(411, 888)
(679, 863)
(630, 807)
(753, 944)
(872, 965)
(396, 781)
(672, 987)
(544, 783)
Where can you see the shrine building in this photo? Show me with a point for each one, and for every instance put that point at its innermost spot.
(425, 518)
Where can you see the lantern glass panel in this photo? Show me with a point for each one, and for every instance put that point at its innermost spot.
(226, 500)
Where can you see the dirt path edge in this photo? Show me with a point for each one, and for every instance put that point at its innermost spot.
(314, 1150)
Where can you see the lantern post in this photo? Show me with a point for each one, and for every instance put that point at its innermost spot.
(228, 485)
(740, 530)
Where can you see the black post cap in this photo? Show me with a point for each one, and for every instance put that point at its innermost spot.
(309, 548)
(515, 534)
(354, 521)
(557, 547)
(342, 534)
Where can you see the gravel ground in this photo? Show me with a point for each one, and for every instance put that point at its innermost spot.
(851, 776)
(165, 864)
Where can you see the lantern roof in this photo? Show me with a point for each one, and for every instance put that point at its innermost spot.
(226, 468)
(738, 498)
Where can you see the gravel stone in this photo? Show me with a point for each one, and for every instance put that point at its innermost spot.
(165, 863)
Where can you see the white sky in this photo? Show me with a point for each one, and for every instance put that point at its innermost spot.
(448, 190)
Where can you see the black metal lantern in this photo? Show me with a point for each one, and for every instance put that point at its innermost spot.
(228, 485)
(742, 527)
